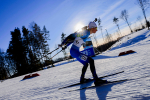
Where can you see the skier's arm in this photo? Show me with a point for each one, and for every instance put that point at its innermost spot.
(68, 40)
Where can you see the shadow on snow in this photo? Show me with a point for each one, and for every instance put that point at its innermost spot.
(101, 91)
(103, 57)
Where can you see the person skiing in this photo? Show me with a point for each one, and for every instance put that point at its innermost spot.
(78, 39)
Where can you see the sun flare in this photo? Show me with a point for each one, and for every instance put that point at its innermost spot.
(79, 27)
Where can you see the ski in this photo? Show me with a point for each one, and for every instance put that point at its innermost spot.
(91, 80)
(110, 82)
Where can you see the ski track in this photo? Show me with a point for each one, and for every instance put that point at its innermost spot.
(45, 86)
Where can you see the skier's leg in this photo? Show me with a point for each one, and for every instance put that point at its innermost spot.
(85, 63)
(92, 68)
(97, 81)
(83, 72)
(84, 59)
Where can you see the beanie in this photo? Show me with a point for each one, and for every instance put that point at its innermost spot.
(92, 25)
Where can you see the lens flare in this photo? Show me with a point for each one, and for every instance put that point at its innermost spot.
(79, 27)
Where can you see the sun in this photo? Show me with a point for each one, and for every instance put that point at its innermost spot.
(79, 27)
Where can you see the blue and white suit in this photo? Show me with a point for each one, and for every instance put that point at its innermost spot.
(78, 39)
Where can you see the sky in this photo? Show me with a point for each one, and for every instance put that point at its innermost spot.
(65, 16)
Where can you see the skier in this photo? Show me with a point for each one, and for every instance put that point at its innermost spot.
(78, 39)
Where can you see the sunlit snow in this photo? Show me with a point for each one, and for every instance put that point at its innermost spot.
(45, 86)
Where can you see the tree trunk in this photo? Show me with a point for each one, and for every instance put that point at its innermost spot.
(119, 30)
(129, 25)
(145, 18)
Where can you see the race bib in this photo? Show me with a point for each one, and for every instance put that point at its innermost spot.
(83, 57)
(78, 42)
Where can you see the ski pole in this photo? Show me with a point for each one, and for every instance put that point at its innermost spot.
(97, 50)
(55, 54)
(53, 51)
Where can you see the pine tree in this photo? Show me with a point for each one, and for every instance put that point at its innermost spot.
(144, 4)
(3, 73)
(45, 43)
(124, 16)
(16, 51)
(39, 43)
(115, 20)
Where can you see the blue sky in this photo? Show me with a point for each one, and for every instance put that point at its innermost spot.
(63, 16)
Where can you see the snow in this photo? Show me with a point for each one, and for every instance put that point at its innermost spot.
(135, 65)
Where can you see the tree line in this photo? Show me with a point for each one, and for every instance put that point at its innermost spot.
(27, 52)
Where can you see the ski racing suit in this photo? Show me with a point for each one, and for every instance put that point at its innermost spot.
(78, 39)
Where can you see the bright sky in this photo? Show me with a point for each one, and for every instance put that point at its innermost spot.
(64, 16)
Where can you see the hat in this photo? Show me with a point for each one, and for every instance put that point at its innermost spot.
(92, 25)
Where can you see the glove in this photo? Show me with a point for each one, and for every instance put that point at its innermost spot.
(61, 46)
(64, 47)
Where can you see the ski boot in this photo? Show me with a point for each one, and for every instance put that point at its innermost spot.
(84, 80)
(99, 82)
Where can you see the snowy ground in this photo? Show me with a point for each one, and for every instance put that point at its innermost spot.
(45, 86)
